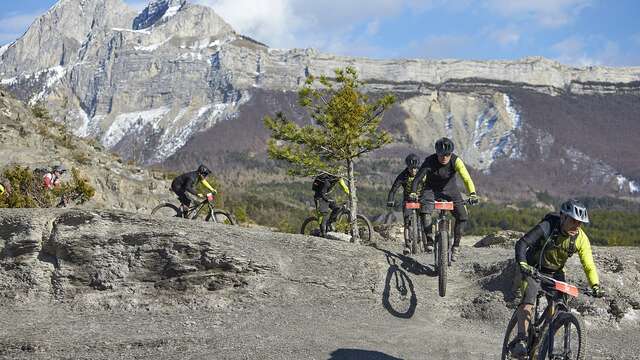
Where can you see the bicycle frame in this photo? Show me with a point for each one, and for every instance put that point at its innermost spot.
(553, 290)
(195, 209)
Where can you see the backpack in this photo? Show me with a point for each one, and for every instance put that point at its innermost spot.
(317, 183)
(554, 220)
(40, 172)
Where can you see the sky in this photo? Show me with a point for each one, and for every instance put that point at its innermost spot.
(573, 32)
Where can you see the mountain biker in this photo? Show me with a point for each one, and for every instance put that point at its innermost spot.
(323, 185)
(186, 183)
(546, 248)
(52, 179)
(440, 170)
(405, 179)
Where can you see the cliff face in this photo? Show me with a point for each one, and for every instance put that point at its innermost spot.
(146, 85)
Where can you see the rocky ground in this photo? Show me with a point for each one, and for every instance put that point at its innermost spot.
(90, 284)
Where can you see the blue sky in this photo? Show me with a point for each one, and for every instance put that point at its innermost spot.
(575, 32)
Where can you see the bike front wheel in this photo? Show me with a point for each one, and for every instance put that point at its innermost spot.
(564, 339)
(220, 217)
(343, 225)
(166, 210)
(510, 337)
(443, 261)
(310, 226)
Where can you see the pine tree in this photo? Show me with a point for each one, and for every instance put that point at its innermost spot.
(345, 126)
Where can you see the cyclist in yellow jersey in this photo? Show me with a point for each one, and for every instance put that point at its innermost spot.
(322, 186)
(186, 183)
(437, 177)
(546, 248)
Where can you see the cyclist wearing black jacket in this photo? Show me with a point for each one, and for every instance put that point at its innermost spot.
(405, 179)
(323, 185)
(440, 171)
(186, 183)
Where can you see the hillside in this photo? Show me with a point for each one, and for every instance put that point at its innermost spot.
(109, 284)
(38, 142)
(176, 85)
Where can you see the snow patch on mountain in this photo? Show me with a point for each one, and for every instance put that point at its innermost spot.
(153, 47)
(141, 31)
(172, 10)
(125, 123)
(513, 113)
(634, 186)
(4, 48)
(54, 75)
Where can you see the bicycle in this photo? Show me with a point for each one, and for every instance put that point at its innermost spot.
(341, 224)
(212, 214)
(443, 246)
(544, 327)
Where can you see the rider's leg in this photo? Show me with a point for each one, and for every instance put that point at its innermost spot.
(322, 206)
(185, 202)
(461, 216)
(427, 201)
(529, 289)
(407, 215)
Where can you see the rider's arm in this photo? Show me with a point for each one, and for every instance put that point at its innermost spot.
(464, 174)
(208, 186)
(344, 186)
(583, 247)
(325, 190)
(418, 179)
(395, 186)
(189, 186)
(538, 233)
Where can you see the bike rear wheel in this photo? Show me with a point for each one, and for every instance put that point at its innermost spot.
(221, 217)
(564, 339)
(166, 210)
(443, 261)
(310, 226)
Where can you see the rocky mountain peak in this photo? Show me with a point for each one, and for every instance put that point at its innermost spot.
(155, 11)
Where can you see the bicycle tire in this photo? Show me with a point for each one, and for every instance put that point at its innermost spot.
(562, 320)
(511, 326)
(309, 228)
(221, 217)
(443, 251)
(165, 206)
(364, 228)
(414, 234)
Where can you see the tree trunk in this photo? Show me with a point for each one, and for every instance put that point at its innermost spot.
(355, 234)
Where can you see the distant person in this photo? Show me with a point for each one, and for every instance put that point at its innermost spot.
(405, 179)
(186, 183)
(438, 172)
(322, 187)
(52, 179)
(545, 249)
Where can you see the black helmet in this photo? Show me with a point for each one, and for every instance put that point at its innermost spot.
(59, 168)
(575, 210)
(412, 161)
(444, 146)
(203, 170)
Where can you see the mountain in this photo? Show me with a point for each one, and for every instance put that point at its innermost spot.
(105, 284)
(176, 85)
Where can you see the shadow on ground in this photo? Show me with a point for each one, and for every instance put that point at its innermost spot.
(399, 296)
(357, 354)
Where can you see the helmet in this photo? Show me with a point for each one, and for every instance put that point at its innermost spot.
(411, 160)
(575, 210)
(59, 168)
(444, 146)
(203, 170)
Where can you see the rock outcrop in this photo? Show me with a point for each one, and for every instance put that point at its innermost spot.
(108, 284)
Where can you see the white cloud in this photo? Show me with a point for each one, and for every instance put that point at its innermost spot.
(588, 51)
(547, 13)
(373, 27)
(441, 46)
(506, 36)
(571, 51)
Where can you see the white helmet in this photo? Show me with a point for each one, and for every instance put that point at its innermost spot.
(575, 210)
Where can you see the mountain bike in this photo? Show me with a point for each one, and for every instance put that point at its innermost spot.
(206, 207)
(556, 332)
(416, 230)
(341, 224)
(443, 246)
